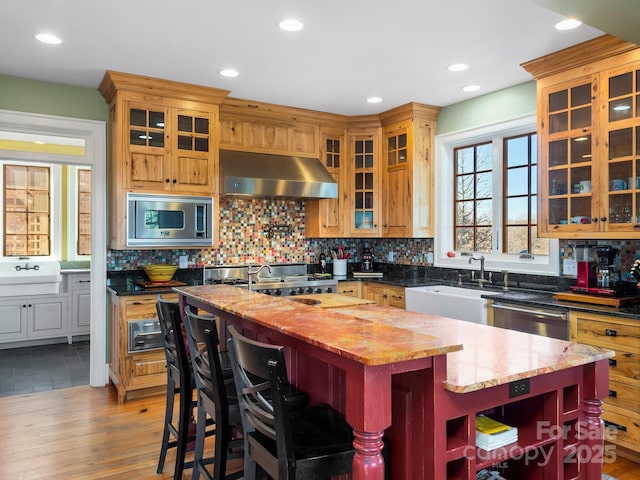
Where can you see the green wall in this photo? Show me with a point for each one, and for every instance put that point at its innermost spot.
(34, 96)
(507, 104)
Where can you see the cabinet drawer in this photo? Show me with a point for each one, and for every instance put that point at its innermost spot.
(140, 308)
(620, 428)
(80, 281)
(349, 288)
(597, 332)
(625, 367)
(623, 396)
(396, 298)
(147, 370)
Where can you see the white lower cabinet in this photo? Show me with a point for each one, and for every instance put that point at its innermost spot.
(79, 287)
(26, 318)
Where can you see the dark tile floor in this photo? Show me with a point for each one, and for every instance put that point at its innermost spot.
(46, 367)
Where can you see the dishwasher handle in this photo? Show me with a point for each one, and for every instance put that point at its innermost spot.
(542, 313)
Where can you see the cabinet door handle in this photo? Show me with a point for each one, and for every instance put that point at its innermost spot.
(594, 219)
(347, 291)
(603, 219)
(617, 426)
(613, 362)
(137, 303)
(175, 181)
(24, 306)
(610, 333)
(396, 296)
(167, 180)
(84, 281)
(613, 394)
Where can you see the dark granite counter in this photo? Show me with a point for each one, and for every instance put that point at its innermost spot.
(127, 282)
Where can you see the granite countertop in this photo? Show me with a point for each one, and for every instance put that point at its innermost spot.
(376, 335)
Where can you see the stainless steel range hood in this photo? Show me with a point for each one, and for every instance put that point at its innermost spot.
(264, 175)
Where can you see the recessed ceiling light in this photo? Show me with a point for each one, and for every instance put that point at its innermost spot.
(470, 88)
(458, 67)
(229, 72)
(568, 24)
(291, 25)
(48, 38)
(374, 100)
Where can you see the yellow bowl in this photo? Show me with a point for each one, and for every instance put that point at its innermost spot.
(160, 273)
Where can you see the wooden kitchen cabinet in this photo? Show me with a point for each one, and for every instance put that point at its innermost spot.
(277, 137)
(325, 217)
(364, 183)
(163, 138)
(407, 179)
(622, 406)
(142, 372)
(384, 294)
(588, 125)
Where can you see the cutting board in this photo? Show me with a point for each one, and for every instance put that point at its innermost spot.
(334, 300)
(595, 300)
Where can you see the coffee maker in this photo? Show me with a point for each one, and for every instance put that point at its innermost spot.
(597, 274)
(367, 259)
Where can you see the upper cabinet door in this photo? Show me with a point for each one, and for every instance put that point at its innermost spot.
(569, 185)
(364, 185)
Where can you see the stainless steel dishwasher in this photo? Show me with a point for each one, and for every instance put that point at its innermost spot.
(548, 322)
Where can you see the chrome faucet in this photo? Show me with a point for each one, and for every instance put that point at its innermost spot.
(481, 281)
(256, 272)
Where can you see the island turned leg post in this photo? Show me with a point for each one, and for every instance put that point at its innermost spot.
(368, 411)
(368, 461)
(593, 433)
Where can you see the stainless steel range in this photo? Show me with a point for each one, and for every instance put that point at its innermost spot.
(285, 279)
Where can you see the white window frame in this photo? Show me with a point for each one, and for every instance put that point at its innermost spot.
(444, 193)
(72, 214)
(55, 206)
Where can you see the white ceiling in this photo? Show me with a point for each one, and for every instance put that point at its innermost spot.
(349, 49)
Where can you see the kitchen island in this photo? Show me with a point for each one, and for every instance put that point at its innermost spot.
(421, 380)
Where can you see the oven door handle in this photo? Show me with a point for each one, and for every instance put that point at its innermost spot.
(541, 313)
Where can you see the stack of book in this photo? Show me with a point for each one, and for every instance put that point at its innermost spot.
(491, 434)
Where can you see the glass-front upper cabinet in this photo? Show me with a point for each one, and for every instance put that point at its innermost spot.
(569, 187)
(622, 145)
(365, 185)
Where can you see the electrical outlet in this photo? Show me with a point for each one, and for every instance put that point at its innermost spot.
(392, 256)
(569, 267)
(184, 261)
(519, 387)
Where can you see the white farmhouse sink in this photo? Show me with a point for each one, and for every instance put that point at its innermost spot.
(453, 302)
(29, 277)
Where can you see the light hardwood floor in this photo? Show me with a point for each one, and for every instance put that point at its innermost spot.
(82, 433)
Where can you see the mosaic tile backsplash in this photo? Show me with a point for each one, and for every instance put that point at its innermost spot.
(244, 239)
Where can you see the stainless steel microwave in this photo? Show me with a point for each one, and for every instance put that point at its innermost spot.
(169, 220)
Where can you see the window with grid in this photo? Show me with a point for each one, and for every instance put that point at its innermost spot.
(473, 197)
(486, 193)
(520, 196)
(84, 212)
(26, 210)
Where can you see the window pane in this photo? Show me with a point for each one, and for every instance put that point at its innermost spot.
(464, 160)
(464, 213)
(517, 181)
(484, 187)
(517, 151)
(485, 157)
(464, 239)
(517, 210)
(483, 212)
(483, 240)
(517, 239)
(464, 190)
